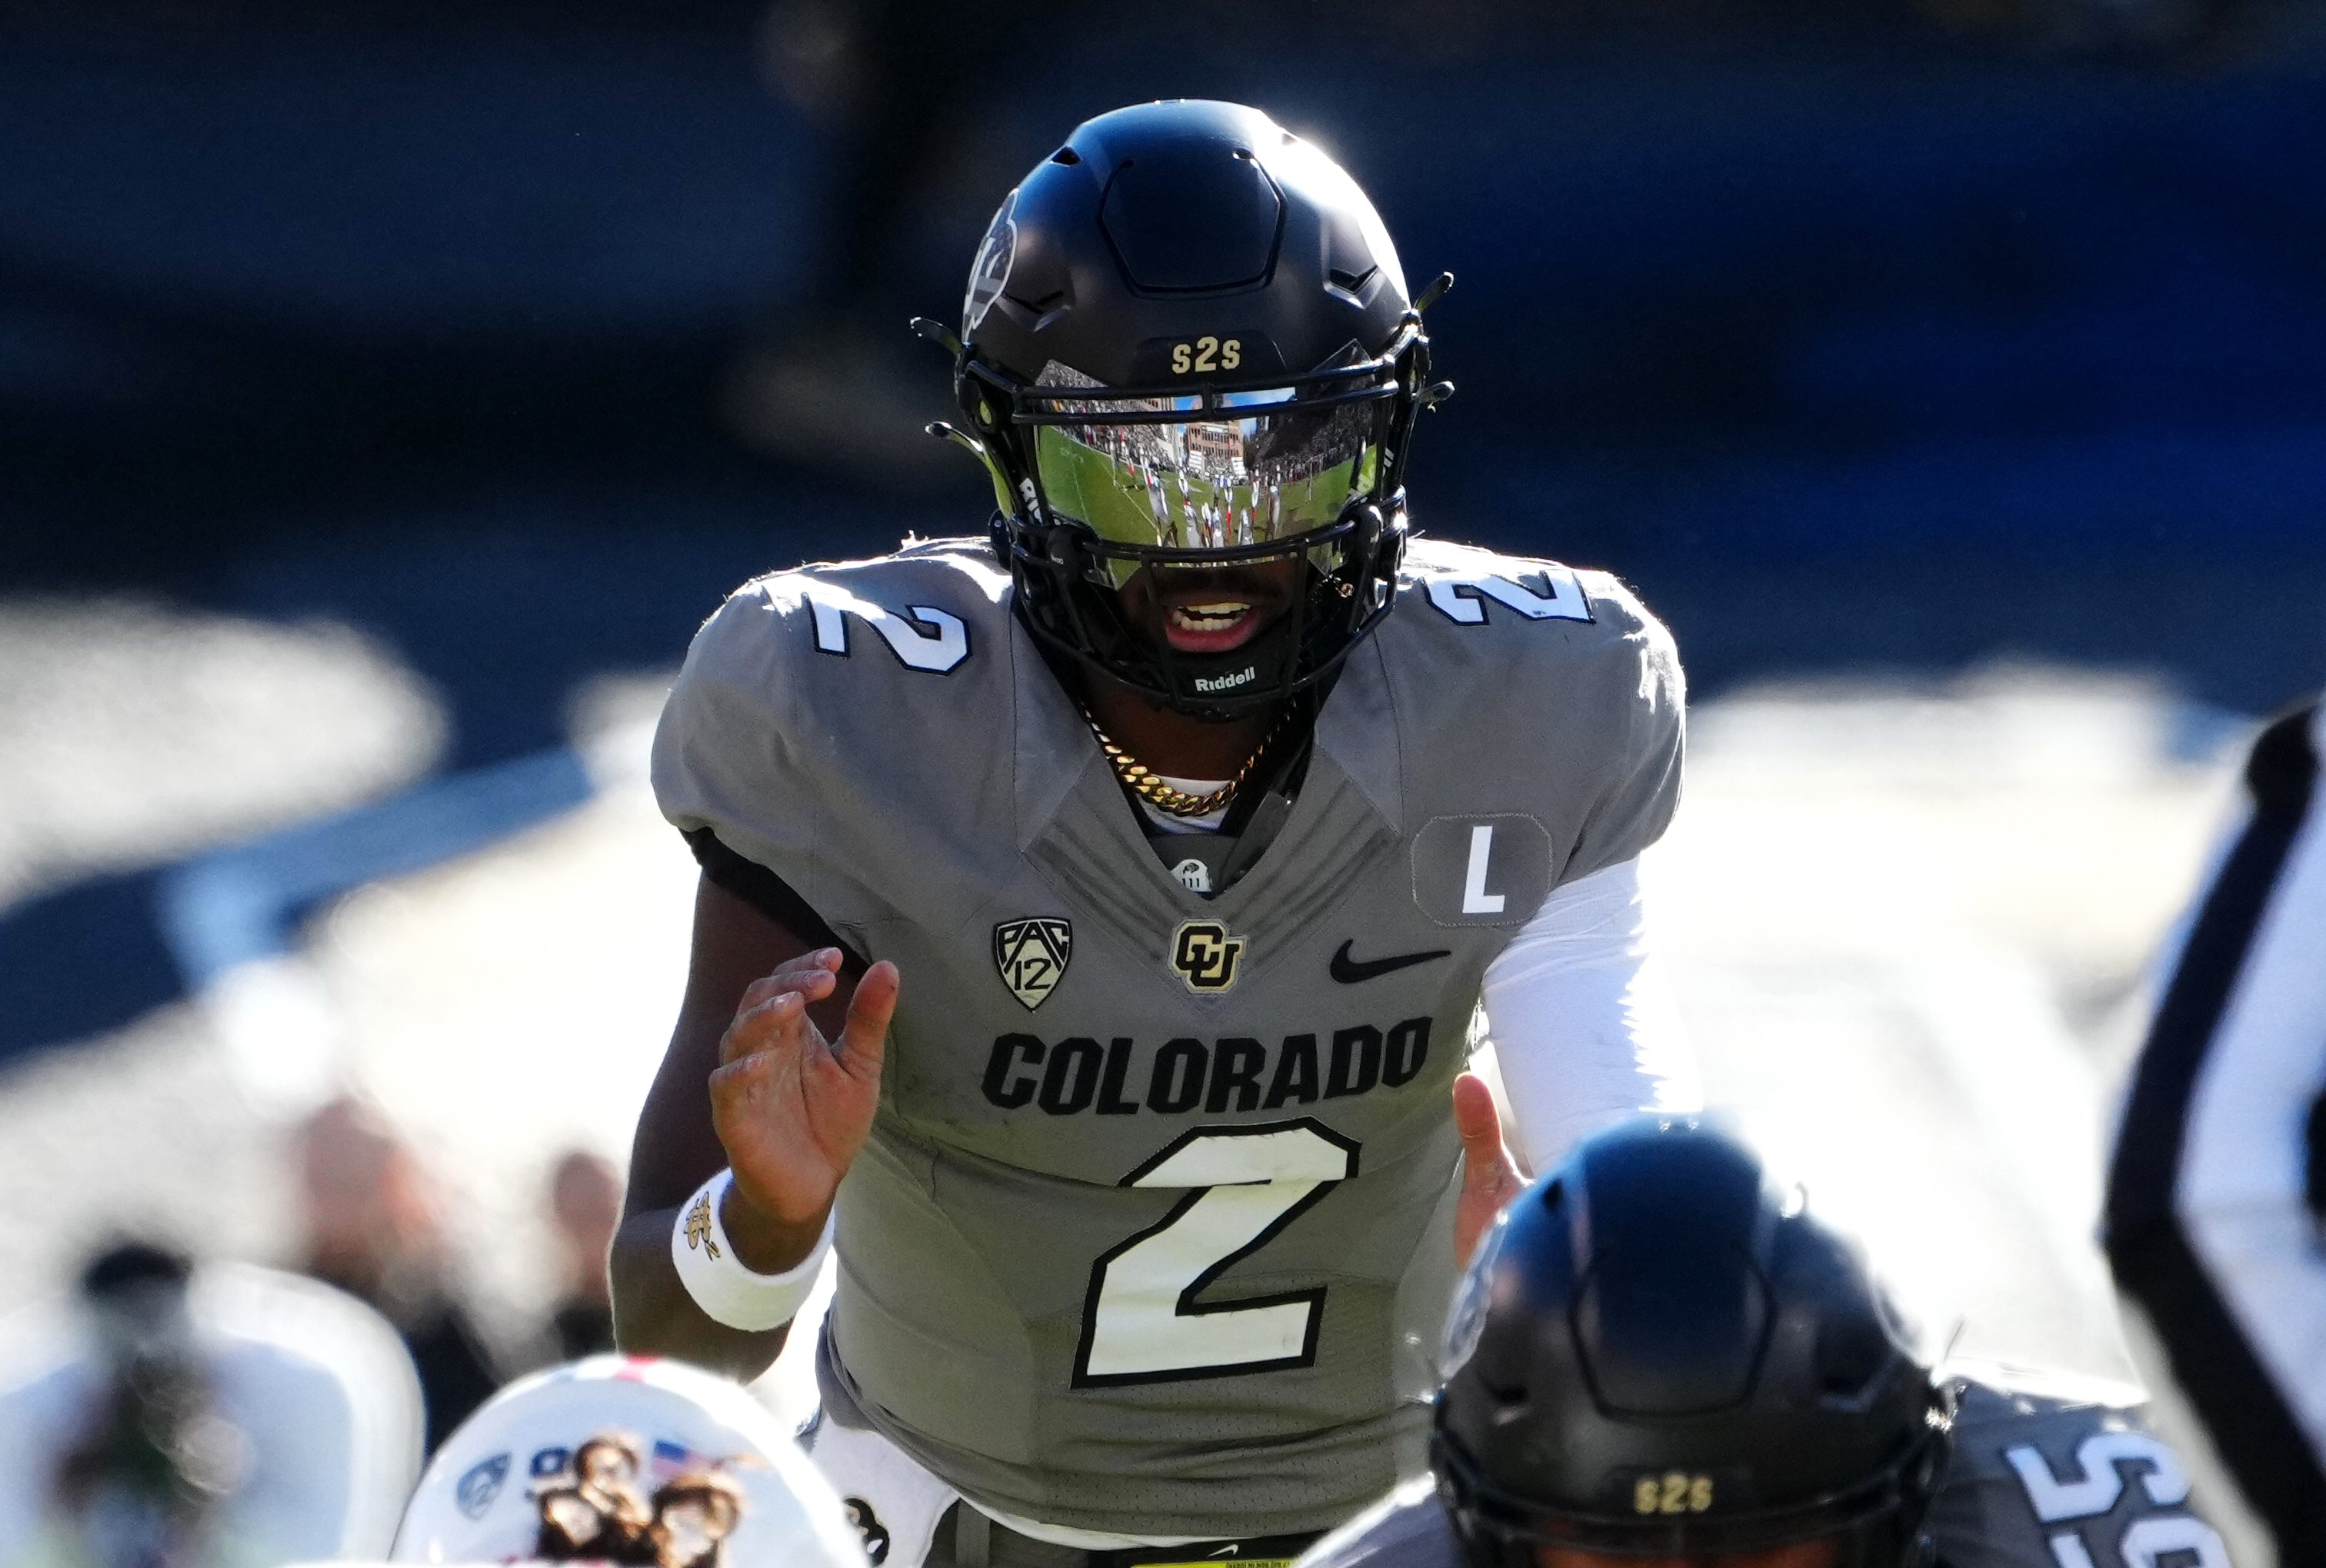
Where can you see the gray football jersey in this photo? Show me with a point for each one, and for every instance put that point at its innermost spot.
(2043, 1476)
(1153, 1231)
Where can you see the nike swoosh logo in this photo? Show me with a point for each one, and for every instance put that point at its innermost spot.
(1349, 970)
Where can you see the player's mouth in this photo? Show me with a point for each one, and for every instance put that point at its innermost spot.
(1212, 609)
(1213, 626)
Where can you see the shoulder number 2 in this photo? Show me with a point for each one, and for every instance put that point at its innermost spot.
(1552, 594)
(924, 637)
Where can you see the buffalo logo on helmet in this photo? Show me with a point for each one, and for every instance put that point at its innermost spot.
(1032, 954)
(989, 274)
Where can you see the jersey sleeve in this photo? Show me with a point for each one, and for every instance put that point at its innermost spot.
(1636, 707)
(729, 759)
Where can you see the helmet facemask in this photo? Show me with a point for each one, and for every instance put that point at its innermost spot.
(1187, 344)
(1112, 482)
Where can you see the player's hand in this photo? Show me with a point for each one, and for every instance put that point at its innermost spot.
(1489, 1177)
(792, 1108)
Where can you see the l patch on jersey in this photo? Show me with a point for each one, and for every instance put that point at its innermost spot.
(1489, 870)
(1031, 954)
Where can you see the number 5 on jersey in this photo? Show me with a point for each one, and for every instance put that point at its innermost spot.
(1142, 1322)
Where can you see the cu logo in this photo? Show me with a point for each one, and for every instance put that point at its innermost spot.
(1204, 955)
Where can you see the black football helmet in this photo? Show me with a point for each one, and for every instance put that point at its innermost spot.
(1188, 343)
(1657, 1351)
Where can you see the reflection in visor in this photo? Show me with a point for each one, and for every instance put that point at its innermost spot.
(1210, 483)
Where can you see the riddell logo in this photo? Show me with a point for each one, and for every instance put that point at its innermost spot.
(1228, 682)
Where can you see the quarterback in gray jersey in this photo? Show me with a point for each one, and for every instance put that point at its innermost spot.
(1099, 910)
(1659, 1356)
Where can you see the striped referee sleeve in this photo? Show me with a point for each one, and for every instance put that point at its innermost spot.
(2209, 1221)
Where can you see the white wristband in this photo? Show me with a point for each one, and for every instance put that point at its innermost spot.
(727, 1292)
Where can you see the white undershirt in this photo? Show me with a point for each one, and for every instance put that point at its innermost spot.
(1584, 1028)
(1208, 822)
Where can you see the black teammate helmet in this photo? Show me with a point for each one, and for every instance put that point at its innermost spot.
(1188, 343)
(1657, 1351)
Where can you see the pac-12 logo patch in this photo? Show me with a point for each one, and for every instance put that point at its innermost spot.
(481, 1484)
(1031, 954)
(1206, 955)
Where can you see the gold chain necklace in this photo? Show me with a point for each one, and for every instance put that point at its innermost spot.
(1143, 781)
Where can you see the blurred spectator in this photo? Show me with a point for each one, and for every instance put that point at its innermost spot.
(143, 1483)
(170, 1418)
(585, 1198)
(375, 1230)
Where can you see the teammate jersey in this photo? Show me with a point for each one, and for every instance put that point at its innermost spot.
(2044, 1474)
(1153, 1234)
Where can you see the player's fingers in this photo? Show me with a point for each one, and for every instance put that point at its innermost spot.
(1480, 1127)
(740, 1079)
(864, 1040)
(778, 1023)
(812, 974)
(742, 1089)
(1489, 1177)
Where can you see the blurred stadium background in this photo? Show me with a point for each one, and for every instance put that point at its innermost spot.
(388, 390)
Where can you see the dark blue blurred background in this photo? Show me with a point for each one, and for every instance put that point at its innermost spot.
(1856, 335)
(1848, 334)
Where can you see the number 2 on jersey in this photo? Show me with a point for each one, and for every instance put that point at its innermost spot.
(1142, 1322)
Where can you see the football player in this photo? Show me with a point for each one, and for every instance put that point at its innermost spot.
(1659, 1355)
(2216, 1187)
(1100, 908)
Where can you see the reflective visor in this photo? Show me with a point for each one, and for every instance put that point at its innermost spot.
(1231, 479)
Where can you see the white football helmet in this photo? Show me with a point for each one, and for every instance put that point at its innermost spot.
(319, 1408)
(626, 1459)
